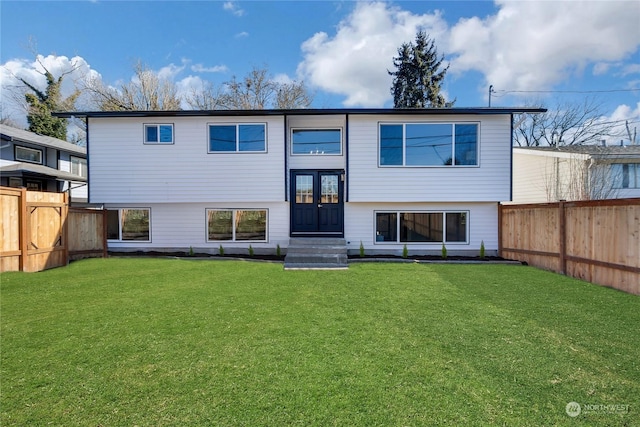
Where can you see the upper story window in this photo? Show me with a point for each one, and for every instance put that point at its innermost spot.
(625, 175)
(30, 155)
(158, 134)
(79, 166)
(231, 138)
(428, 144)
(316, 141)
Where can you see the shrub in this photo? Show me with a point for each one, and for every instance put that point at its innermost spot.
(361, 249)
(482, 249)
(405, 251)
(444, 251)
(278, 251)
(250, 251)
(221, 250)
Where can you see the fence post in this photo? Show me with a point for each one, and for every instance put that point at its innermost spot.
(104, 233)
(24, 230)
(500, 225)
(64, 216)
(562, 232)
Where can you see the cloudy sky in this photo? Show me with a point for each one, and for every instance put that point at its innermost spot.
(550, 51)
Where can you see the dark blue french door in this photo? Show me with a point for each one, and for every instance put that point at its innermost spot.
(317, 203)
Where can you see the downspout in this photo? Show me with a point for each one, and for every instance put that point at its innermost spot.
(510, 162)
(286, 163)
(86, 122)
(346, 159)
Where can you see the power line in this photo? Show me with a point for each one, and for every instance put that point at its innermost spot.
(568, 91)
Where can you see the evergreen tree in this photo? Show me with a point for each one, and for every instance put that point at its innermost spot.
(43, 103)
(418, 78)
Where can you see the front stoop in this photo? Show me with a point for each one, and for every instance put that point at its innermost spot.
(316, 253)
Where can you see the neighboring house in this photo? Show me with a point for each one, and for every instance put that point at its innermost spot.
(381, 177)
(42, 163)
(575, 172)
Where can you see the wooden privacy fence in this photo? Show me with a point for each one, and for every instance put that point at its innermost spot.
(597, 241)
(39, 230)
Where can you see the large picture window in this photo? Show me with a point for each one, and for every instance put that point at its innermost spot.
(316, 141)
(158, 134)
(428, 144)
(230, 138)
(421, 227)
(30, 155)
(236, 225)
(129, 224)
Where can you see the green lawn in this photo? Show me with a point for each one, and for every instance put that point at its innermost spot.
(157, 342)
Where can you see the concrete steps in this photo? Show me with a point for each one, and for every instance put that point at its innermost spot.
(316, 253)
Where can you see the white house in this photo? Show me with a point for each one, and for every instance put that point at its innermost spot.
(42, 163)
(575, 172)
(381, 177)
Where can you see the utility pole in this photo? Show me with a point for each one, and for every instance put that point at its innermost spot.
(490, 92)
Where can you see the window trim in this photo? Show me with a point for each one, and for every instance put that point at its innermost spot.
(399, 213)
(157, 125)
(37, 150)
(338, 128)
(453, 143)
(237, 126)
(119, 239)
(233, 225)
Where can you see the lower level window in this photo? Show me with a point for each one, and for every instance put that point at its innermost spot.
(426, 227)
(236, 225)
(128, 224)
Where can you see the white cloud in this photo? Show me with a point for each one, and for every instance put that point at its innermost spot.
(199, 68)
(79, 71)
(534, 45)
(171, 71)
(525, 45)
(232, 6)
(355, 61)
(630, 69)
(241, 35)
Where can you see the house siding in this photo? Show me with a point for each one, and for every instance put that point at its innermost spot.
(183, 171)
(178, 182)
(490, 181)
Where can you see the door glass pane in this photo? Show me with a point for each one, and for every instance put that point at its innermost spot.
(329, 189)
(304, 188)
(220, 225)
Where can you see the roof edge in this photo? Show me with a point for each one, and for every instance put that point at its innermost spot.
(302, 112)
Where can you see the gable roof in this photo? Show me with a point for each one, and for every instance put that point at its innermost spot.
(9, 133)
(302, 112)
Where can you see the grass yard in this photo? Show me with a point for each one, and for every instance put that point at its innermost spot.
(157, 342)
